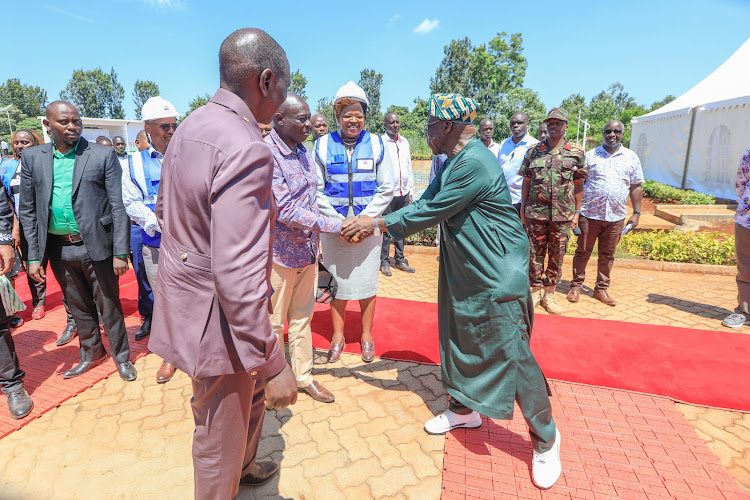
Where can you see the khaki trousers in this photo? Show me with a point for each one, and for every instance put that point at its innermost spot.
(228, 412)
(293, 301)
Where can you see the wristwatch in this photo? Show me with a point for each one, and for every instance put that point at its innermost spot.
(375, 228)
(636, 213)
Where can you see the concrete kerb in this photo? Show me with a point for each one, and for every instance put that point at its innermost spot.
(649, 265)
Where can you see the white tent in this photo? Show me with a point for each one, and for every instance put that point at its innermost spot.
(697, 140)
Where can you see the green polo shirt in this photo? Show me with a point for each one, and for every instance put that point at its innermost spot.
(61, 218)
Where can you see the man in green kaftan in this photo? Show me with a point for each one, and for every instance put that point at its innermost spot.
(484, 303)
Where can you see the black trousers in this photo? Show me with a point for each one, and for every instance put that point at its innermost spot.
(11, 375)
(397, 203)
(87, 285)
(39, 293)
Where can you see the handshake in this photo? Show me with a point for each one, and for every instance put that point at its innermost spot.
(355, 229)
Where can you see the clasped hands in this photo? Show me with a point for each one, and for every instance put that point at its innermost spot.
(355, 229)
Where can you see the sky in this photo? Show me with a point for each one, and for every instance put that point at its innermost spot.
(653, 47)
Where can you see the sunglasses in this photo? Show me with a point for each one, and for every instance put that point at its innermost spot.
(617, 131)
(165, 126)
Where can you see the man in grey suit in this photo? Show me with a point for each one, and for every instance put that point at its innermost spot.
(71, 210)
(214, 296)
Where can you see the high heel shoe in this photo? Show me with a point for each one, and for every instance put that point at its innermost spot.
(368, 351)
(334, 353)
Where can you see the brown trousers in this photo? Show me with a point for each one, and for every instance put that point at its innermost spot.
(228, 412)
(742, 246)
(608, 235)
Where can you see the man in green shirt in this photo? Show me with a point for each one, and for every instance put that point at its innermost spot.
(485, 310)
(71, 210)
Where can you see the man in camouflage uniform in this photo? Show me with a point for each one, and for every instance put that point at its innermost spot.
(553, 172)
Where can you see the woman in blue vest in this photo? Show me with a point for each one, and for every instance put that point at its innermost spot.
(354, 177)
(10, 170)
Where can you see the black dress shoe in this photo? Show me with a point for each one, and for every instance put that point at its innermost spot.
(84, 366)
(67, 335)
(145, 329)
(127, 371)
(385, 268)
(260, 473)
(404, 266)
(16, 321)
(19, 403)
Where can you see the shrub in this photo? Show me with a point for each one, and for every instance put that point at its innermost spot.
(423, 238)
(677, 246)
(661, 193)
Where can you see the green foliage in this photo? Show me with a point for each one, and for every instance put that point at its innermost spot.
(29, 99)
(417, 145)
(423, 238)
(515, 100)
(661, 193)
(371, 81)
(197, 102)
(325, 108)
(298, 84)
(142, 91)
(95, 93)
(677, 246)
(658, 104)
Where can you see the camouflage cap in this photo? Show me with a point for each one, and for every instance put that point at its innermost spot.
(558, 114)
(453, 107)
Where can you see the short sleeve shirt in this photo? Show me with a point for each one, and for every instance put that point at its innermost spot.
(607, 187)
(552, 173)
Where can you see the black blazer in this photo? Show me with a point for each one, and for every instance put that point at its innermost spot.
(97, 200)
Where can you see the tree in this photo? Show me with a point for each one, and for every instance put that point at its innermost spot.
(298, 84)
(371, 81)
(95, 93)
(658, 104)
(325, 108)
(142, 91)
(452, 76)
(515, 100)
(197, 102)
(30, 100)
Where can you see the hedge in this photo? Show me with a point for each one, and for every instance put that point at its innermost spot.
(661, 193)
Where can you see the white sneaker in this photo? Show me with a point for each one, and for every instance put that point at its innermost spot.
(546, 467)
(447, 421)
(735, 320)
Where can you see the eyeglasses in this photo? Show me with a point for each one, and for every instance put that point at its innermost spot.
(164, 126)
(617, 131)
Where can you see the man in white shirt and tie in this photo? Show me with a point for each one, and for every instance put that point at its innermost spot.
(403, 186)
(511, 153)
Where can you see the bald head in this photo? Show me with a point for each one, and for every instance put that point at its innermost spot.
(64, 124)
(292, 121)
(612, 136)
(141, 141)
(519, 125)
(292, 104)
(59, 106)
(392, 125)
(319, 126)
(486, 131)
(246, 53)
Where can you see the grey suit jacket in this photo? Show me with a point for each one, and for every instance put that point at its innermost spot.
(215, 209)
(97, 200)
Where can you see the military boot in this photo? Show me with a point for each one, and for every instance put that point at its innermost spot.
(550, 303)
(536, 294)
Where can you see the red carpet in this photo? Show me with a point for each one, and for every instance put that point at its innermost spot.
(696, 366)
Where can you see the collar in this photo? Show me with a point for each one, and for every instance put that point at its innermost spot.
(397, 139)
(72, 152)
(283, 147)
(154, 153)
(224, 97)
(603, 152)
(523, 142)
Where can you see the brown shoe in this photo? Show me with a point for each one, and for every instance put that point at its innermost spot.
(368, 351)
(603, 296)
(334, 353)
(165, 373)
(573, 295)
(318, 392)
(259, 473)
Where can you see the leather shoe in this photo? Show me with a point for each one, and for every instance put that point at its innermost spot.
(334, 353)
(259, 473)
(404, 266)
(127, 371)
(165, 373)
(19, 403)
(67, 335)
(38, 313)
(573, 295)
(603, 296)
(84, 366)
(145, 329)
(385, 268)
(15, 321)
(368, 351)
(318, 392)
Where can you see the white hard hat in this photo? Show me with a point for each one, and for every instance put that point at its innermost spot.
(157, 107)
(352, 91)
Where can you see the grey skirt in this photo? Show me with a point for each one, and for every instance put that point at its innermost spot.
(354, 265)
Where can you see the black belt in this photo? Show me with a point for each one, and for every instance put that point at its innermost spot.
(133, 223)
(70, 238)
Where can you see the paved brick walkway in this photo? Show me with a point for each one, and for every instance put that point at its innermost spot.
(369, 444)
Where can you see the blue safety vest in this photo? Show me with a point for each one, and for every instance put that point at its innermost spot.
(145, 172)
(8, 170)
(350, 183)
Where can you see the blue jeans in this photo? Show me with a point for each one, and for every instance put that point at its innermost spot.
(145, 295)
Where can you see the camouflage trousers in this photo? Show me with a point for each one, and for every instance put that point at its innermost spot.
(549, 239)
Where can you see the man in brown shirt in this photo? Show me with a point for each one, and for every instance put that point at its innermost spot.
(215, 209)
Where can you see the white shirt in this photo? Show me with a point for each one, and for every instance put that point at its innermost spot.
(134, 201)
(403, 178)
(494, 148)
(510, 156)
(607, 187)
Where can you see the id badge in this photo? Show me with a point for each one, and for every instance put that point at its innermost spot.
(365, 164)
